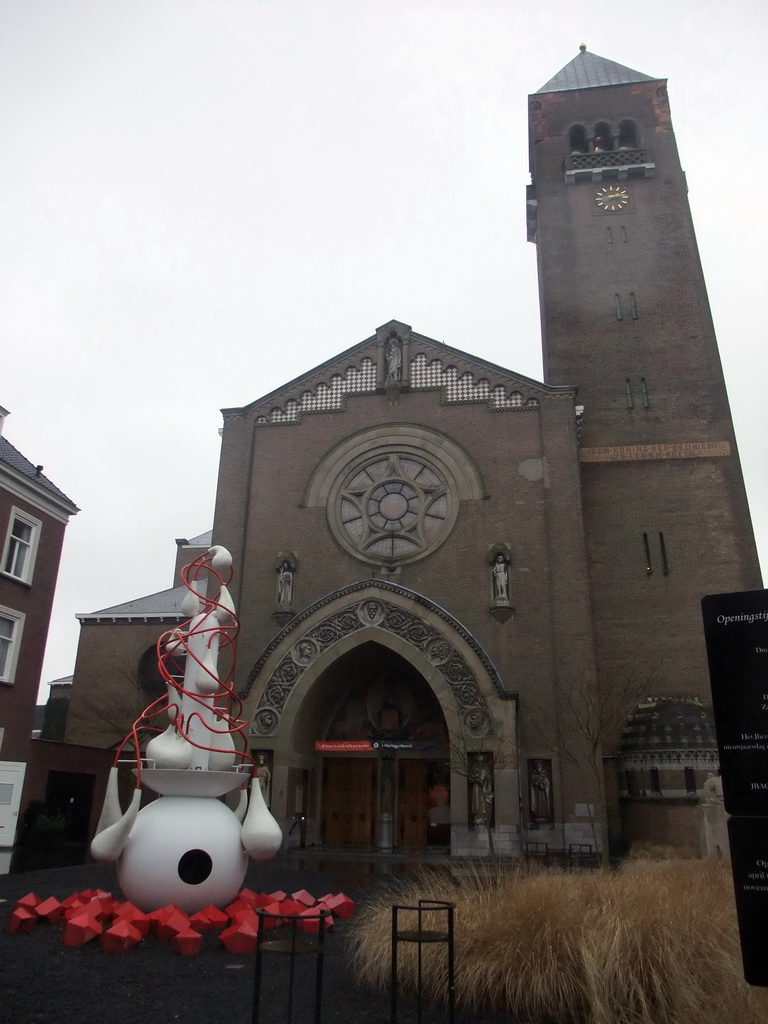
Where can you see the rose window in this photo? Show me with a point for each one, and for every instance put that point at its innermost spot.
(393, 508)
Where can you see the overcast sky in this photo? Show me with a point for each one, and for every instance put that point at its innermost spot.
(202, 199)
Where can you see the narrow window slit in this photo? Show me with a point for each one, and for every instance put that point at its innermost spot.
(647, 550)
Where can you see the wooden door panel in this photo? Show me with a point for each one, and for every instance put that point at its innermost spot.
(413, 813)
(348, 801)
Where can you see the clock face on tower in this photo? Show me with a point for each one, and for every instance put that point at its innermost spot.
(611, 197)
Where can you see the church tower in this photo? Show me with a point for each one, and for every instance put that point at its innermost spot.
(625, 318)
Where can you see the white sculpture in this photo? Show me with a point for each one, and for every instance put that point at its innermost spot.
(187, 847)
(500, 579)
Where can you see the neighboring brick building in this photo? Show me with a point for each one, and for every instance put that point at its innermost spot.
(33, 517)
(458, 585)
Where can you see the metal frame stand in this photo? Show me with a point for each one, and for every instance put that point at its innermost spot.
(421, 936)
(291, 947)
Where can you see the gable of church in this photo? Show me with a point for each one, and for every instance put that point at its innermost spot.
(394, 359)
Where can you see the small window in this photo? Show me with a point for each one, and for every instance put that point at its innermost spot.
(21, 546)
(578, 139)
(690, 780)
(647, 553)
(664, 559)
(628, 135)
(11, 626)
(655, 781)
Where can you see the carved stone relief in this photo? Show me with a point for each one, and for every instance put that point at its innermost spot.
(434, 646)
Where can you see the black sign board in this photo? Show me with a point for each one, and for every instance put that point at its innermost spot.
(736, 630)
(749, 861)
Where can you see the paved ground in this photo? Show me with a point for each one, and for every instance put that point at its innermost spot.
(44, 982)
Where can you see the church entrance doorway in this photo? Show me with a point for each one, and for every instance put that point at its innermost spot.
(384, 755)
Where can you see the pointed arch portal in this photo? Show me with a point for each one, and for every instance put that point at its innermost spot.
(360, 698)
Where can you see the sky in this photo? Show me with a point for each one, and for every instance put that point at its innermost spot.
(202, 199)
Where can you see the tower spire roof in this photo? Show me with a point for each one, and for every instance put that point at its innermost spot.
(588, 71)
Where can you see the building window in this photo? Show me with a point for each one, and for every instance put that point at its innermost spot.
(647, 553)
(11, 626)
(690, 780)
(578, 139)
(655, 781)
(603, 140)
(21, 546)
(628, 135)
(664, 559)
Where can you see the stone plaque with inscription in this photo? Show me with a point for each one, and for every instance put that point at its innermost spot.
(736, 631)
(647, 452)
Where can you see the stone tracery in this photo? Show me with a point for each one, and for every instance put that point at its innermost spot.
(433, 645)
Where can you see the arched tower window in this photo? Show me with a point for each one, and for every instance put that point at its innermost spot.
(579, 142)
(628, 135)
(603, 140)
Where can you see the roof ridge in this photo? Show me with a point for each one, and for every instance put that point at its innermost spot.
(21, 464)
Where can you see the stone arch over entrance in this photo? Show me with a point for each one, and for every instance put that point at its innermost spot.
(296, 688)
(451, 661)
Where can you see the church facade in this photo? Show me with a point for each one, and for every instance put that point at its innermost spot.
(470, 600)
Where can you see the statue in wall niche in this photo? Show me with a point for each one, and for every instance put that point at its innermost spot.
(712, 790)
(284, 585)
(481, 779)
(500, 573)
(394, 360)
(539, 791)
(264, 775)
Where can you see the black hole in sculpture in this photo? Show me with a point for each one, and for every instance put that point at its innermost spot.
(195, 866)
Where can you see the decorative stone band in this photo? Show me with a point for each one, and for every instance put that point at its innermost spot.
(433, 645)
(458, 388)
(676, 760)
(638, 452)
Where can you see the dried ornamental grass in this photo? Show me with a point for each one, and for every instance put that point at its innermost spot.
(655, 943)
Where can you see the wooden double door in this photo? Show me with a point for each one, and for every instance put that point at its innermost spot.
(350, 803)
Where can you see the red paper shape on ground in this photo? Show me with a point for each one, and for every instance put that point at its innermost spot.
(101, 907)
(30, 901)
(81, 928)
(171, 924)
(22, 919)
(187, 942)
(279, 896)
(120, 937)
(209, 919)
(311, 922)
(241, 937)
(50, 910)
(128, 912)
(303, 897)
(75, 900)
(271, 922)
(290, 907)
(341, 905)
